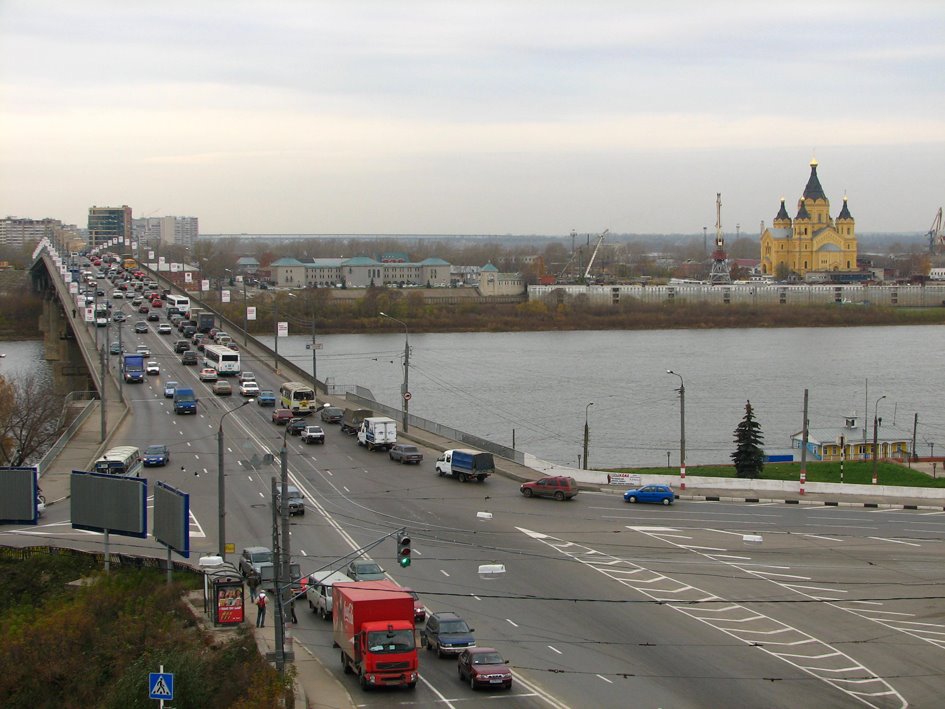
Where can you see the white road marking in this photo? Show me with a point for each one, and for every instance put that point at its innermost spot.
(552, 647)
(444, 573)
(511, 622)
(895, 541)
(608, 681)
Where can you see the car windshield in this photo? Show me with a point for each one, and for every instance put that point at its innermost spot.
(262, 557)
(368, 569)
(390, 641)
(487, 658)
(454, 626)
(154, 450)
(266, 392)
(409, 449)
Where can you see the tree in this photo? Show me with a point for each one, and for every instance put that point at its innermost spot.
(749, 458)
(30, 419)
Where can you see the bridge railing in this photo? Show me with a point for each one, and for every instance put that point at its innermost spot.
(90, 397)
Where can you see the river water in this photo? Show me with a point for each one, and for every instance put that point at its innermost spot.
(538, 385)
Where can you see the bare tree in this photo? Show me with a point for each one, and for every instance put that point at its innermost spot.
(30, 418)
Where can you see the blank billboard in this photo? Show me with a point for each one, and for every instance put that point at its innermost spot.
(107, 502)
(172, 518)
(18, 495)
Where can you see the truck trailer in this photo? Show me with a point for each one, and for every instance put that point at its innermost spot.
(373, 625)
(464, 464)
(352, 418)
(377, 433)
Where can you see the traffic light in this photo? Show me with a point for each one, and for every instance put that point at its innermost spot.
(403, 550)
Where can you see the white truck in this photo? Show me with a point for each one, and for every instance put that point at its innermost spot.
(464, 465)
(377, 433)
(318, 591)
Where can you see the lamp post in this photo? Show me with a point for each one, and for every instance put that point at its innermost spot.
(875, 434)
(221, 485)
(682, 429)
(586, 433)
(405, 391)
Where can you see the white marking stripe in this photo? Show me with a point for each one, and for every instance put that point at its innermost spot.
(895, 541)
(768, 627)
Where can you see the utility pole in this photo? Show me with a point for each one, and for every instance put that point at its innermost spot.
(277, 582)
(804, 447)
(586, 433)
(102, 393)
(314, 349)
(915, 426)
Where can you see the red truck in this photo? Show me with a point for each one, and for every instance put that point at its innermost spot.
(373, 624)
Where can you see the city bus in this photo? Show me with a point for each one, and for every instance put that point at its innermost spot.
(129, 262)
(122, 460)
(298, 396)
(222, 359)
(181, 302)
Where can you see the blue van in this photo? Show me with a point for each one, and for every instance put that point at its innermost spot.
(185, 401)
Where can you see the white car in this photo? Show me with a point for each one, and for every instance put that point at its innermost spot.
(249, 389)
(164, 329)
(247, 377)
(152, 367)
(143, 350)
(118, 295)
(208, 375)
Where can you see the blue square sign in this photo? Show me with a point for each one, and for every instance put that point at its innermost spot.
(160, 685)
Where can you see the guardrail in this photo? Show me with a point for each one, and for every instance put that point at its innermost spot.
(66, 437)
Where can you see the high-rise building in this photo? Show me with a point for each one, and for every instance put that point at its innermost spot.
(167, 231)
(107, 223)
(17, 232)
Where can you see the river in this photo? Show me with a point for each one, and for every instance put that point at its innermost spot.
(538, 384)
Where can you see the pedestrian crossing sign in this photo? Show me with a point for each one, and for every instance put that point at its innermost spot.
(160, 685)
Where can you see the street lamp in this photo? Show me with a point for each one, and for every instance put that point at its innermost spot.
(221, 486)
(405, 391)
(682, 429)
(875, 435)
(586, 432)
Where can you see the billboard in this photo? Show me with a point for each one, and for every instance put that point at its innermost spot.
(18, 491)
(172, 518)
(106, 502)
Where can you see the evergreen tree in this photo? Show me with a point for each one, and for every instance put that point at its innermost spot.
(748, 456)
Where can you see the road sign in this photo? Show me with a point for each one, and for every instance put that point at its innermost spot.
(407, 396)
(161, 685)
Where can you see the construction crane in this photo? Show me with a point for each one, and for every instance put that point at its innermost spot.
(600, 240)
(936, 237)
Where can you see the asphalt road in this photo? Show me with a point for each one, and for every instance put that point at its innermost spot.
(602, 603)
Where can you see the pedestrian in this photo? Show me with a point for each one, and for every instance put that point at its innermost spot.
(261, 601)
(292, 611)
(73, 312)
(253, 583)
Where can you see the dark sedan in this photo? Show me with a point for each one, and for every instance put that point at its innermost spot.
(157, 454)
(296, 425)
(332, 414)
(483, 667)
(405, 453)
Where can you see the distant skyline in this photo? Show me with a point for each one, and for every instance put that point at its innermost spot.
(514, 117)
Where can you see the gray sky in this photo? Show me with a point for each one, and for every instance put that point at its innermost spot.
(401, 116)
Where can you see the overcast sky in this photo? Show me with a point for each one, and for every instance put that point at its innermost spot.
(474, 117)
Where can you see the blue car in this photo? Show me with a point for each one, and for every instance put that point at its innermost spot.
(157, 454)
(266, 397)
(651, 493)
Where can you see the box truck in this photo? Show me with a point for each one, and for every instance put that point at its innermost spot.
(465, 464)
(132, 368)
(373, 624)
(377, 433)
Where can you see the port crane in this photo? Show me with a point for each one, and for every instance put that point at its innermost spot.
(600, 240)
(936, 236)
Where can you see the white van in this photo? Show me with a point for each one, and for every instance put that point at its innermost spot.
(319, 591)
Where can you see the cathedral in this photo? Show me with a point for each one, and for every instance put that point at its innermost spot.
(813, 241)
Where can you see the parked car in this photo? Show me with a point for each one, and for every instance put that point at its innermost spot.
(208, 374)
(252, 559)
(158, 454)
(365, 570)
(141, 327)
(189, 357)
(447, 634)
(152, 367)
(164, 329)
(221, 387)
(662, 494)
(405, 453)
(281, 417)
(169, 388)
(249, 389)
(559, 487)
(266, 397)
(296, 425)
(332, 414)
(483, 667)
(311, 434)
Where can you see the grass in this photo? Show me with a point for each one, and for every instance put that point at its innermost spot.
(860, 473)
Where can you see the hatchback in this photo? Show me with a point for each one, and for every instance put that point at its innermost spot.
(651, 493)
(483, 667)
(559, 487)
(208, 374)
(281, 416)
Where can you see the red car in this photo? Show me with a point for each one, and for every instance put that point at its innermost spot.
(419, 610)
(281, 417)
(484, 667)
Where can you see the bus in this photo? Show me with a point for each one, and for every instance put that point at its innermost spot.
(122, 460)
(299, 397)
(181, 302)
(129, 262)
(222, 359)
